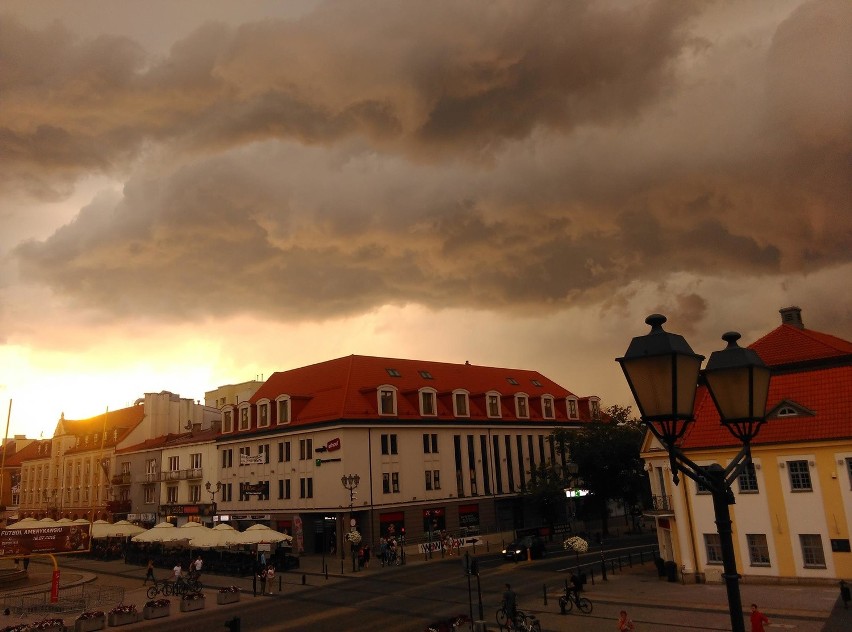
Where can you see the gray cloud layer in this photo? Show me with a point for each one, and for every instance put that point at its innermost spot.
(513, 156)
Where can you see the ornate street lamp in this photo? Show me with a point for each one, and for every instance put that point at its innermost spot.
(663, 372)
(213, 490)
(350, 482)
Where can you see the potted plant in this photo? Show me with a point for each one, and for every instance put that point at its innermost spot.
(192, 601)
(156, 608)
(228, 594)
(21, 627)
(90, 620)
(122, 614)
(48, 624)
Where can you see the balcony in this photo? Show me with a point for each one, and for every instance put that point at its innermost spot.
(118, 506)
(121, 479)
(660, 506)
(194, 473)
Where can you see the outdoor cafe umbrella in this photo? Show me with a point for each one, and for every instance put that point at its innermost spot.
(260, 533)
(220, 536)
(121, 529)
(161, 532)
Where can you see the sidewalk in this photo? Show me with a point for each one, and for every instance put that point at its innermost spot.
(637, 588)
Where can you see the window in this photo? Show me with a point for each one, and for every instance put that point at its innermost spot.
(595, 407)
(428, 480)
(800, 476)
(306, 488)
(547, 407)
(493, 400)
(787, 411)
(512, 381)
(430, 443)
(263, 450)
(471, 464)
(521, 407)
(195, 494)
(244, 418)
(195, 461)
(849, 470)
(227, 492)
(306, 449)
(758, 549)
(150, 498)
(426, 375)
(284, 452)
(460, 404)
(535, 382)
(227, 458)
(395, 482)
(262, 415)
(284, 411)
(150, 466)
(393, 372)
(713, 546)
(287, 489)
(171, 494)
(387, 401)
(572, 408)
(228, 421)
(427, 403)
(389, 445)
(812, 554)
(174, 463)
(436, 479)
(748, 480)
(386, 482)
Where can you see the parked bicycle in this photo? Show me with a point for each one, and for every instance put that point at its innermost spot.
(572, 598)
(523, 622)
(163, 586)
(177, 588)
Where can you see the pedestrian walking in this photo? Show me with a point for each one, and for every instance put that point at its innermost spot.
(263, 581)
(197, 565)
(177, 571)
(757, 619)
(270, 575)
(149, 573)
(625, 623)
(367, 556)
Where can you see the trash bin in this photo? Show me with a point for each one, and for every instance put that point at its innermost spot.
(845, 593)
(660, 564)
(671, 571)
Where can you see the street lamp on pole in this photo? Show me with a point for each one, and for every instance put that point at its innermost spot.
(663, 373)
(213, 490)
(350, 482)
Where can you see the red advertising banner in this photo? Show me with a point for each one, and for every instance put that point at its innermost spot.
(56, 539)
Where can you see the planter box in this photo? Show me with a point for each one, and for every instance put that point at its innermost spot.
(122, 618)
(188, 605)
(156, 613)
(227, 597)
(90, 625)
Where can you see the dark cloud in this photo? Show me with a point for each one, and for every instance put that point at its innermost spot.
(519, 157)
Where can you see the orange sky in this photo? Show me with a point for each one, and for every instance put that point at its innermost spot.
(199, 193)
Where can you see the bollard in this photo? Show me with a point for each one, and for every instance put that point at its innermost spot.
(279, 583)
(304, 579)
(592, 573)
(544, 592)
(487, 547)
(254, 585)
(326, 571)
(233, 625)
(630, 560)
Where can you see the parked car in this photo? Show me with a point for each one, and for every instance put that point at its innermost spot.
(517, 549)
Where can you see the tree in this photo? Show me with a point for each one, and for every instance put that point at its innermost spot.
(607, 455)
(545, 492)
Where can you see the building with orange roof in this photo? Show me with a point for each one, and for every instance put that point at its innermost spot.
(436, 446)
(793, 505)
(12, 452)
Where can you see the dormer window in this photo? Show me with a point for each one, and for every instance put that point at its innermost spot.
(387, 400)
(283, 405)
(535, 383)
(244, 417)
(427, 402)
(522, 409)
(263, 413)
(492, 400)
(572, 408)
(595, 408)
(460, 404)
(547, 407)
(787, 411)
(228, 420)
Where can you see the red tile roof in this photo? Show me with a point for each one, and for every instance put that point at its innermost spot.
(788, 344)
(345, 388)
(821, 383)
(29, 452)
(122, 420)
(171, 440)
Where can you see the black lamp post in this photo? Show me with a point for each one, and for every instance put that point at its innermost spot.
(350, 482)
(213, 490)
(663, 373)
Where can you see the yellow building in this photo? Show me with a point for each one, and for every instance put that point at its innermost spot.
(792, 517)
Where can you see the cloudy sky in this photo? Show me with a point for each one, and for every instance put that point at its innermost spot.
(198, 193)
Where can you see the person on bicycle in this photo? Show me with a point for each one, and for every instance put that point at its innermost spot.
(575, 588)
(510, 605)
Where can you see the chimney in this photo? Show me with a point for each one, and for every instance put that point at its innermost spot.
(792, 316)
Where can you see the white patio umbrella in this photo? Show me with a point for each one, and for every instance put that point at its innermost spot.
(99, 529)
(65, 521)
(260, 533)
(25, 522)
(220, 536)
(81, 521)
(122, 528)
(161, 532)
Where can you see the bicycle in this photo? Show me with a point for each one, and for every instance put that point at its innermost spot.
(164, 586)
(567, 602)
(523, 621)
